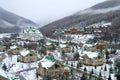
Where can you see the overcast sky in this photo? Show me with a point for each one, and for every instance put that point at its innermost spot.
(45, 11)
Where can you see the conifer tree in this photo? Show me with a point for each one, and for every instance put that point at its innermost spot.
(100, 76)
(109, 78)
(117, 67)
(92, 71)
(4, 67)
(85, 69)
(83, 77)
(105, 68)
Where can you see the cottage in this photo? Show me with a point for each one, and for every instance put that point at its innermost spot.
(49, 66)
(101, 45)
(50, 46)
(89, 47)
(92, 58)
(1, 48)
(64, 48)
(14, 50)
(27, 56)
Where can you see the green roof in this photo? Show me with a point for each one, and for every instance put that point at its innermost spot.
(50, 58)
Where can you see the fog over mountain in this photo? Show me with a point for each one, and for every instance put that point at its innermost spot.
(46, 11)
(107, 12)
(10, 22)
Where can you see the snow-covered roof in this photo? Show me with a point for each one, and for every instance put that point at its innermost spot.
(24, 52)
(13, 47)
(90, 54)
(118, 52)
(48, 43)
(47, 62)
(62, 45)
(89, 45)
(66, 67)
(32, 30)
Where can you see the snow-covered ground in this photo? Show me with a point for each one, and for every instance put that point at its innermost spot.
(27, 71)
(18, 68)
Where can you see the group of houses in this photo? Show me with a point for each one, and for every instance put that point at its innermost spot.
(97, 30)
(90, 53)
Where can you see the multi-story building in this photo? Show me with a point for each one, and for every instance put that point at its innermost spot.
(31, 34)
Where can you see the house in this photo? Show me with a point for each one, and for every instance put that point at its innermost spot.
(101, 44)
(1, 48)
(14, 50)
(50, 46)
(89, 47)
(92, 58)
(73, 31)
(66, 48)
(49, 66)
(31, 34)
(27, 56)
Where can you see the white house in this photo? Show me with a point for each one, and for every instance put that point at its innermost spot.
(31, 34)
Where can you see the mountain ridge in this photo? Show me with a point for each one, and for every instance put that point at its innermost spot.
(81, 20)
(11, 22)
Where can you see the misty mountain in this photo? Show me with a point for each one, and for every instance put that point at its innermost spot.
(10, 22)
(108, 11)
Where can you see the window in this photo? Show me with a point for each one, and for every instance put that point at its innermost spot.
(31, 54)
(56, 66)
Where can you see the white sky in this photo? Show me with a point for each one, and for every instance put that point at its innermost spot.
(45, 11)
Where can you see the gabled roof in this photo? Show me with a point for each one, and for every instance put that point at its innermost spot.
(62, 45)
(13, 47)
(48, 43)
(90, 54)
(31, 30)
(47, 62)
(24, 52)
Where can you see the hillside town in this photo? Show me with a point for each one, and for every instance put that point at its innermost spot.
(77, 54)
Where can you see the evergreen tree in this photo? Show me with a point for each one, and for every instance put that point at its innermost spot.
(109, 78)
(78, 65)
(111, 70)
(71, 71)
(71, 64)
(4, 67)
(90, 76)
(100, 76)
(105, 68)
(85, 69)
(117, 67)
(107, 54)
(95, 66)
(92, 71)
(83, 77)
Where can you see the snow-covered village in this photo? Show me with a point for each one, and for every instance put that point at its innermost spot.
(74, 55)
(59, 39)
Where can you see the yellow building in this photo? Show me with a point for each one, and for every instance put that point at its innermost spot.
(101, 45)
(50, 46)
(92, 58)
(64, 48)
(49, 66)
(27, 56)
(14, 50)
